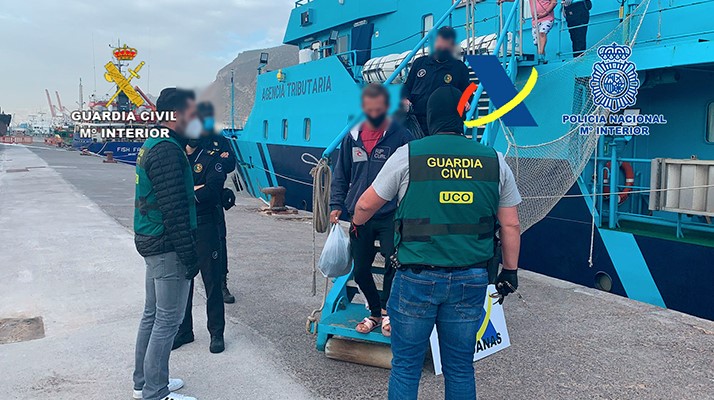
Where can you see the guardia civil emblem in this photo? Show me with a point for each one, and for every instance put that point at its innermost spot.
(614, 80)
(448, 78)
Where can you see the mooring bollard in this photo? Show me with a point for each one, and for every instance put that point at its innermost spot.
(277, 197)
(110, 157)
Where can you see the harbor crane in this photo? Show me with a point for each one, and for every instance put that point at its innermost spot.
(52, 107)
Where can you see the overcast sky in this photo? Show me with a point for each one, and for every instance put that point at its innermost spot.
(50, 44)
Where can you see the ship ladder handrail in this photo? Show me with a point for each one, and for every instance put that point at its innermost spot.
(509, 63)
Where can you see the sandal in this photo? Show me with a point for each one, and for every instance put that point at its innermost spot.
(386, 326)
(370, 323)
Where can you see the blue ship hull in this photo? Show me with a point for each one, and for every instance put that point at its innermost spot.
(125, 152)
(557, 246)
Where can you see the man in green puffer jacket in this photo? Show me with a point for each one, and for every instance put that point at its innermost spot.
(164, 226)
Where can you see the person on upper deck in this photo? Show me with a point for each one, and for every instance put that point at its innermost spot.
(542, 20)
(430, 73)
(577, 15)
(543, 23)
(362, 155)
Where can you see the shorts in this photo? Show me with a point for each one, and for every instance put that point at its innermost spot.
(541, 27)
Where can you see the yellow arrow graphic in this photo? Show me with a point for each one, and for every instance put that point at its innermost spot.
(506, 108)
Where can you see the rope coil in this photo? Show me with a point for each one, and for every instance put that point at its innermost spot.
(322, 182)
(321, 186)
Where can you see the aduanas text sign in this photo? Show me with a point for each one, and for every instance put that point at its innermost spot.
(491, 337)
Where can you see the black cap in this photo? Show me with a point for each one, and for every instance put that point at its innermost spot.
(204, 109)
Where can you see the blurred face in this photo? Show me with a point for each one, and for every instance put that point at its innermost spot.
(444, 45)
(208, 123)
(375, 108)
(183, 118)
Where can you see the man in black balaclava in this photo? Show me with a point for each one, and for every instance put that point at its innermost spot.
(451, 190)
(443, 114)
(430, 73)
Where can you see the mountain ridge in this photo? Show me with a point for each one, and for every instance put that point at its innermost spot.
(245, 67)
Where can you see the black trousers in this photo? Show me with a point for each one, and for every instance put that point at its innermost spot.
(364, 251)
(577, 14)
(208, 249)
(222, 232)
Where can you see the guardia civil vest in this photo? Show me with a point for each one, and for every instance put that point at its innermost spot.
(447, 216)
(148, 218)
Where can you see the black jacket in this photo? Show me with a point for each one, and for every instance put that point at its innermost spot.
(426, 75)
(207, 171)
(355, 171)
(164, 166)
(220, 144)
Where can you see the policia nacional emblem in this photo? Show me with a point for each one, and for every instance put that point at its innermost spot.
(614, 81)
(198, 168)
(448, 78)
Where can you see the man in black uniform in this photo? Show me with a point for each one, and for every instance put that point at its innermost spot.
(218, 143)
(208, 179)
(430, 73)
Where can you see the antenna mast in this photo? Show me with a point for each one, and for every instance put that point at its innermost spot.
(81, 95)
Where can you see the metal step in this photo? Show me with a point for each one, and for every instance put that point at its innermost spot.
(343, 324)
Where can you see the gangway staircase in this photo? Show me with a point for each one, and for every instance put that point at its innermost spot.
(344, 308)
(507, 50)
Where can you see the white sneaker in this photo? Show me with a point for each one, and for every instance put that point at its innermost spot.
(174, 384)
(176, 396)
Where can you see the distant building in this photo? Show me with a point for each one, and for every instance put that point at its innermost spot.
(4, 123)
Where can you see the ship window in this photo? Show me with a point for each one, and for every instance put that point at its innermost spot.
(265, 128)
(285, 129)
(343, 44)
(603, 281)
(327, 49)
(316, 49)
(307, 127)
(710, 123)
(427, 24)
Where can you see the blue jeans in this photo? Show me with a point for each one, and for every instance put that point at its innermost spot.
(166, 296)
(454, 302)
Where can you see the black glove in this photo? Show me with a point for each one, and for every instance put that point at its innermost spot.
(228, 199)
(354, 230)
(192, 271)
(505, 278)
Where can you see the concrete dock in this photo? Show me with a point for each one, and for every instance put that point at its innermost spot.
(68, 257)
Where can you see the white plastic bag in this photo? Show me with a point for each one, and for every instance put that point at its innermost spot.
(335, 260)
